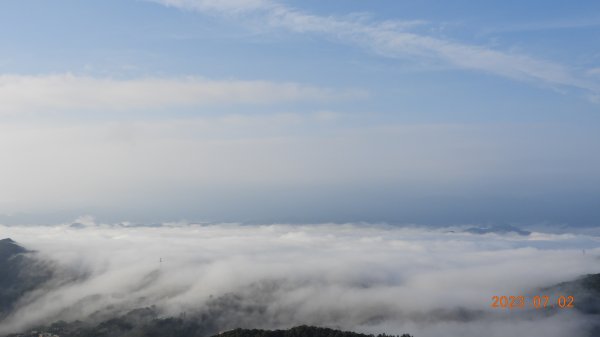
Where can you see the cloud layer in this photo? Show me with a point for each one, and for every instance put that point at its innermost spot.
(361, 277)
(67, 92)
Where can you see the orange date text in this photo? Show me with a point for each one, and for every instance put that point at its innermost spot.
(536, 302)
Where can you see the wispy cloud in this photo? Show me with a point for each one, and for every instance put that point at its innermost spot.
(393, 39)
(19, 93)
(226, 6)
(545, 25)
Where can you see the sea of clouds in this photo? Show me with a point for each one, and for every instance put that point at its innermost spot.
(429, 282)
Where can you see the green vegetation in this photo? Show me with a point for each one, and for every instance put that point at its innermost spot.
(585, 290)
(177, 327)
(300, 331)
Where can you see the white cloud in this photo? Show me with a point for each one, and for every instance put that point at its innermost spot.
(594, 72)
(393, 40)
(19, 93)
(361, 277)
(544, 25)
(235, 6)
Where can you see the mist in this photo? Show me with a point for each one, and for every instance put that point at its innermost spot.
(368, 278)
(262, 168)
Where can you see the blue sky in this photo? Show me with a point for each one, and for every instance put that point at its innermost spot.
(301, 111)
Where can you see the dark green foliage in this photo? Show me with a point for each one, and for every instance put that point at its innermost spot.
(589, 298)
(300, 331)
(585, 290)
(178, 327)
(172, 327)
(591, 282)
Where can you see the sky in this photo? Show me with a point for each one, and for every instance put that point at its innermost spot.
(425, 112)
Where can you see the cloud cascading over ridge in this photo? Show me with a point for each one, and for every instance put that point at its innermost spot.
(368, 278)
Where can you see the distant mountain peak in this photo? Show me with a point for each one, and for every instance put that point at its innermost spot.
(498, 229)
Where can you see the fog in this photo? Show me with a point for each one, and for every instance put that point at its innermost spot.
(369, 278)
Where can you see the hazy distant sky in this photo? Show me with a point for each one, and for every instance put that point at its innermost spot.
(432, 112)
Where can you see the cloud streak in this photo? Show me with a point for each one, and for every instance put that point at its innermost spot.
(67, 92)
(367, 278)
(393, 39)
